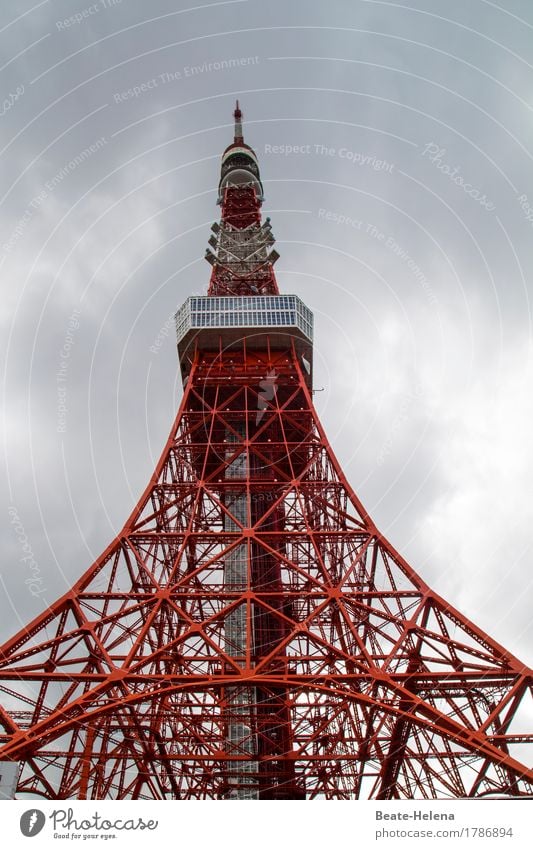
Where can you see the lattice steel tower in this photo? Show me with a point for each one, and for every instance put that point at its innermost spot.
(250, 633)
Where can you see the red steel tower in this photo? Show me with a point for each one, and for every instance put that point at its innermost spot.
(250, 634)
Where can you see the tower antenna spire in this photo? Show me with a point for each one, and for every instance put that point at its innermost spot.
(239, 138)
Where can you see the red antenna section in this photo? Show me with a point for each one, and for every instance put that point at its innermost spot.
(238, 124)
(241, 247)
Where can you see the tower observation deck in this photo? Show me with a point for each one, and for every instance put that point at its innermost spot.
(250, 633)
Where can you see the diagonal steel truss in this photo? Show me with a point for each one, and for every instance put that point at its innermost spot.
(365, 683)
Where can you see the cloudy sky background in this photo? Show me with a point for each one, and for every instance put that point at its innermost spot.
(426, 377)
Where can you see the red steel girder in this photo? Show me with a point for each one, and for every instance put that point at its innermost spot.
(353, 660)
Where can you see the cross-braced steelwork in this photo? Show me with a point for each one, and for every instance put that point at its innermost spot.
(250, 633)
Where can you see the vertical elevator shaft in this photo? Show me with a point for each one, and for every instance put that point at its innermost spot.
(240, 700)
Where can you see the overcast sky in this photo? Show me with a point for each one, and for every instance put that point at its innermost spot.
(395, 144)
